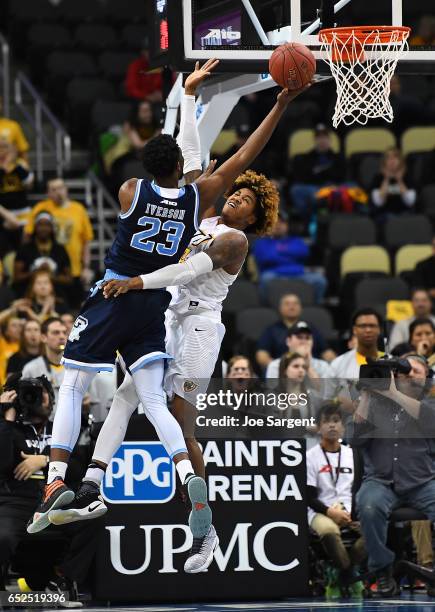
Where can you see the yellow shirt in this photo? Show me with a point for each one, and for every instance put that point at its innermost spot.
(12, 132)
(361, 360)
(73, 228)
(6, 350)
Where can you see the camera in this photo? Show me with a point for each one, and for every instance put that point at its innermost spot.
(29, 398)
(376, 374)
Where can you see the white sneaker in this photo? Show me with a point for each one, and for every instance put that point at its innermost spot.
(201, 553)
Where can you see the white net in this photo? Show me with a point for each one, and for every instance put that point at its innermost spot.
(362, 62)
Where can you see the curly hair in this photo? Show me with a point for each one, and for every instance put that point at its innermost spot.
(161, 155)
(267, 197)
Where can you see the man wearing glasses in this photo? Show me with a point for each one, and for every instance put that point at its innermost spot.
(366, 327)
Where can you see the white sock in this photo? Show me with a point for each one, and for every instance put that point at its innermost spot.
(184, 467)
(55, 469)
(94, 473)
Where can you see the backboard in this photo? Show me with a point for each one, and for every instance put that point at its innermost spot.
(243, 33)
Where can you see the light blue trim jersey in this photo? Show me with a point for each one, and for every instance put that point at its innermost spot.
(155, 231)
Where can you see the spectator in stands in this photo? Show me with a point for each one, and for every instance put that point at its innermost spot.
(366, 326)
(73, 230)
(42, 296)
(408, 109)
(15, 180)
(425, 35)
(318, 168)
(53, 337)
(421, 339)
(30, 347)
(393, 428)
(392, 192)
(42, 252)
(141, 82)
(68, 320)
(422, 307)
(332, 482)
(273, 341)
(282, 256)
(424, 273)
(240, 374)
(11, 131)
(10, 328)
(141, 126)
(300, 340)
(7, 295)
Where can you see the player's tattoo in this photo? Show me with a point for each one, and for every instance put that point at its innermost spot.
(229, 249)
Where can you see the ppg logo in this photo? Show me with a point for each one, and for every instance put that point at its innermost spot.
(139, 473)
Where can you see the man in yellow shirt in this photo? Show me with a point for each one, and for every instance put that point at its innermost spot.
(11, 132)
(72, 226)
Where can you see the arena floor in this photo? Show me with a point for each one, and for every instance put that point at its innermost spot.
(406, 603)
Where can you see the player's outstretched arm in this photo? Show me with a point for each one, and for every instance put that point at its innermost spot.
(188, 138)
(228, 251)
(223, 178)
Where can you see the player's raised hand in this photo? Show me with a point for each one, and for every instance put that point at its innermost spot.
(209, 170)
(287, 95)
(200, 73)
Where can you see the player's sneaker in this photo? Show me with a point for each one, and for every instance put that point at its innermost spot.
(201, 553)
(56, 495)
(200, 516)
(62, 586)
(88, 504)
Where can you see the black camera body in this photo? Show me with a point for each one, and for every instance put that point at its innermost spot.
(29, 395)
(376, 374)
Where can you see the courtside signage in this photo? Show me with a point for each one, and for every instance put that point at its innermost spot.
(139, 473)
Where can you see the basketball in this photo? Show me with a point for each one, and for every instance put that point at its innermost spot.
(292, 65)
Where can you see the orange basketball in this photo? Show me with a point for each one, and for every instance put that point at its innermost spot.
(292, 65)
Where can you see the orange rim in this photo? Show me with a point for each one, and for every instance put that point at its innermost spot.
(362, 33)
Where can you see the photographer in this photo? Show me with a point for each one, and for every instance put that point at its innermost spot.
(25, 436)
(392, 428)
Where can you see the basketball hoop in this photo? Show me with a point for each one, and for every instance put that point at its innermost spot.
(362, 61)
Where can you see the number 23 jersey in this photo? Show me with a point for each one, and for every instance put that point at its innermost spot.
(156, 229)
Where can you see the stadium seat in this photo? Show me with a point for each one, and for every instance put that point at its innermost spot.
(368, 140)
(253, 321)
(427, 200)
(407, 229)
(225, 140)
(349, 230)
(105, 114)
(48, 36)
(114, 65)
(133, 36)
(408, 256)
(34, 11)
(242, 294)
(368, 166)
(302, 141)
(365, 259)
(69, 64)
(321, 319)
(377, 291)
(96, 37)
(79, 11)
(278, 287)
(135, 11)
(80, 94)
(418, 140)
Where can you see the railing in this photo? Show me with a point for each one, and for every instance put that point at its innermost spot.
(40, 118)
(5, 75)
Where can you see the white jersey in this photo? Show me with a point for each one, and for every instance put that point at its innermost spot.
(332, 474)
(206, 293)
